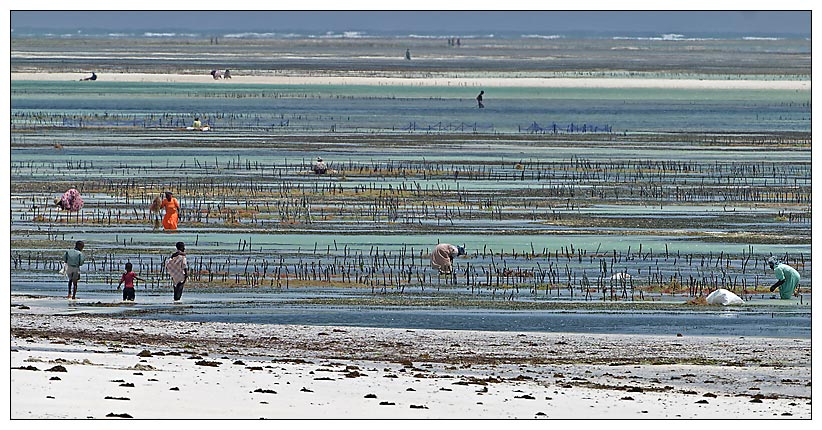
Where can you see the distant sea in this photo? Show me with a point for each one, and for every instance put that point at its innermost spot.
(357, 34)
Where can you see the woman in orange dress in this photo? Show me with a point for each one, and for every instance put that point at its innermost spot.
(172, 207)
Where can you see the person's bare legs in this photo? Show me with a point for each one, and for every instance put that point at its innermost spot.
(72, 294)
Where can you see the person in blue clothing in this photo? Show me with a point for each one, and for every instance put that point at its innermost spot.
(787, 278)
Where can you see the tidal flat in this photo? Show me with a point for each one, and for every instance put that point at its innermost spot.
(595, 204)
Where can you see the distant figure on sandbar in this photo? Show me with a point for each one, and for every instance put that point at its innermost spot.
(172, 208)
(442, 258)
(227, 74)
(407, 54)
(479, 100)
(197, 123)
(787, 278)
(93, 77)
(216, 74)
(319, 167)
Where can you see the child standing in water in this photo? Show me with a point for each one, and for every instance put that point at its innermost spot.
(128, 278)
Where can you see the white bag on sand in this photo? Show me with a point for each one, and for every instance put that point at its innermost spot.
(723, 297)
(62, 270)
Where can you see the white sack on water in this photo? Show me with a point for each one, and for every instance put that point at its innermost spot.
(723, 297)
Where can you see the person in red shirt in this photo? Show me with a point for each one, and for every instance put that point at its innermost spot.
(128, 278)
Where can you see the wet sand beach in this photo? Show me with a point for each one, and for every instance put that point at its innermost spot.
(95, 367)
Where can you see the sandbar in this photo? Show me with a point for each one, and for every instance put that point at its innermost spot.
(471, 82)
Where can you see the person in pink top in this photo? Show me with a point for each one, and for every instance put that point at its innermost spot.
(71, 200)
(128, 278)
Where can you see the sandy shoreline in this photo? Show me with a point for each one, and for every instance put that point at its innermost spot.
(162, 369)
(618, 83)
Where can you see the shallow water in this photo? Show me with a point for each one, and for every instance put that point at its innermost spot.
(593, 196)
(762, 316)
(410, 109)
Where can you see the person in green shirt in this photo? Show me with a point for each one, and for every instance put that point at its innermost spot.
(787, 278)
(74, 259)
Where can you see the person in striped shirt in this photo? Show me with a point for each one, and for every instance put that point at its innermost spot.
(178, 269)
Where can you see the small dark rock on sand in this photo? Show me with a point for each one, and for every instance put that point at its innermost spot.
(127, 384)
(418, 407)
(306, 390)
(703, 401)
(115, 398)
(26, 368)
(370, 396)
(113, 415)
(526, 397)
(55, 378)
(627, 398)
(144, 353)
(208, 363)
(264, 391)
(174, 389)
(387, 403)
(709, 395)
(57, 368)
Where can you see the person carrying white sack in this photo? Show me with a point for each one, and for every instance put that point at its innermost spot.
(442, 258)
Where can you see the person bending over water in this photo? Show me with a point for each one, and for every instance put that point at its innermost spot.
(320, 167)
(787, 278)
(442, 258)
